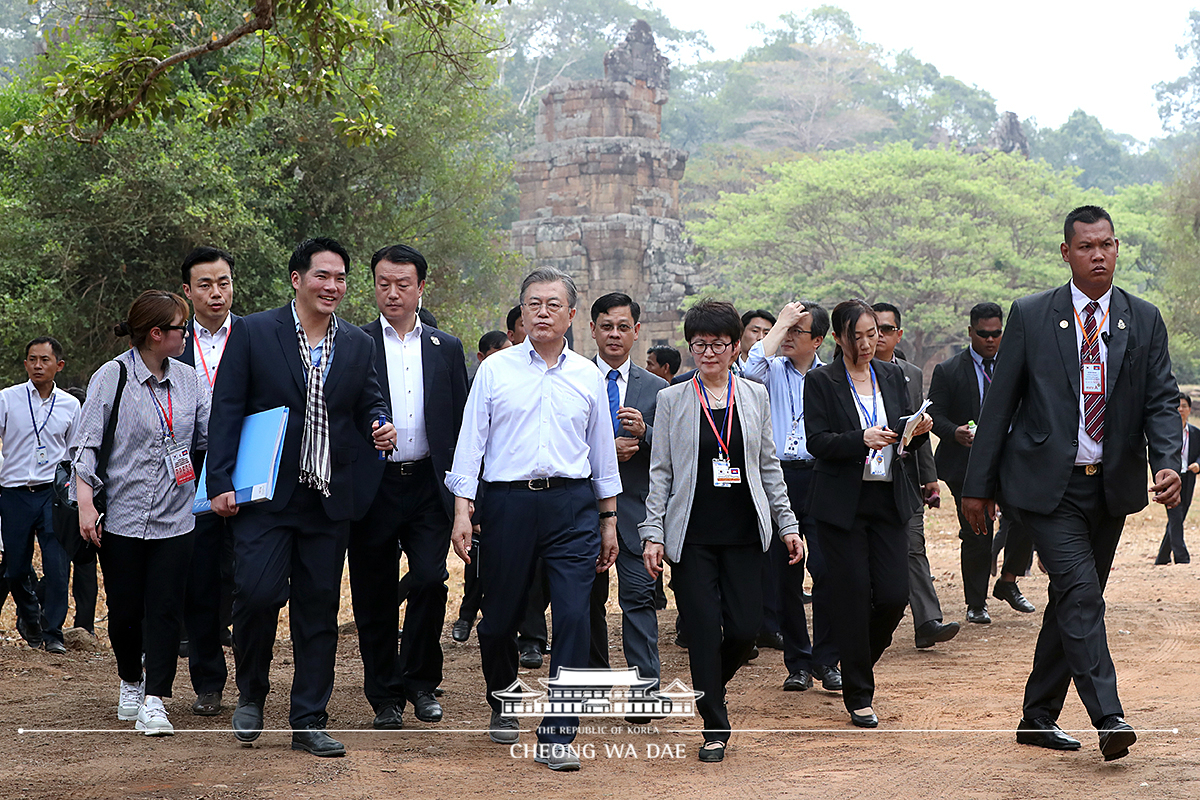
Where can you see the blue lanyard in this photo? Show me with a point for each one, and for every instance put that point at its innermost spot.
(37, 432)
(874, 415)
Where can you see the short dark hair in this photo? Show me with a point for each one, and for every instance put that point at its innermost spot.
(986, 311)
(1184, 396)
(758, 312)
(667, 356)
(616, 300)
(1087, 215)
(714, 318)
(301, 259)
(820, 319)
(846, 315)
(55, 346)
(203, 255)
(492, 340)
(401, 254)
(888, 308)
(514, 314)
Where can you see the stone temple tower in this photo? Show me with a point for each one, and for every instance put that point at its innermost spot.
(600, 192)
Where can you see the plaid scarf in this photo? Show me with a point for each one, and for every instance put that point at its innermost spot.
(315, 468)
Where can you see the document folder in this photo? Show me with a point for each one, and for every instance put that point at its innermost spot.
(260, 450)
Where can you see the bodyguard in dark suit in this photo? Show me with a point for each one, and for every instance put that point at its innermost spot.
(632, 396)
(1082, 390)
(423, 375)
(290, 549)
(207, 275)
(1172, 543)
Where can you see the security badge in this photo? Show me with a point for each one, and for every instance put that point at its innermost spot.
(1093, 378)
(725, 475)
(791, 444)
(875, 460)
(43, 456)
(179, 463)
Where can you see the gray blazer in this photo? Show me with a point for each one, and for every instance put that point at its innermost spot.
(674, 466)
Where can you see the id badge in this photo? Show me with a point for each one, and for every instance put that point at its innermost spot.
(1093, 378)
(791, 445)
(875, 459)
(43, 455)
(725, 475)
(179, 462)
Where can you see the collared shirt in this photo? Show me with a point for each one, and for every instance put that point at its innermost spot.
(980, 380)
(21, 409)
(622, 378)
(527, 419)
(208, 347)
(785, 388)
(1090, 451)
(315, 353)
(143, 500)
(406, 384)
(1185, 448)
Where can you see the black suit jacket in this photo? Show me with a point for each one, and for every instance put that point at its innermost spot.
(835, 437)
(914, 378)
(189, 358)
(1189, 477)
(444, 375)
(261, 370)
(1036, 389)
(954, 401)
(642, 394)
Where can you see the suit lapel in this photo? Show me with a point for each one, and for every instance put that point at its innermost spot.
(969, 379)
(1062, 310)
(843, 391)
(375, 330)
(429, 362)
(893, 400)
(633, 392)
(290, 345)
(1118, 337)
(341, 341)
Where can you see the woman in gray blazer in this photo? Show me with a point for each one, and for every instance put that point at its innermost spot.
(715, 487)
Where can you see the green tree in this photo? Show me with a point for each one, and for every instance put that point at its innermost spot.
(1104, 159)
(928, 106)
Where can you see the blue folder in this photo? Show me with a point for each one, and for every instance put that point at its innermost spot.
(259, 452)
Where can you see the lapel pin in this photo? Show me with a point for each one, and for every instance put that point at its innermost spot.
(434, 339)
(1062, 323)
(1121, 324)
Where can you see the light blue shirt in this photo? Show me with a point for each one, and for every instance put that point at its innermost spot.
(785, 387)
(315, 353)
(526, 419)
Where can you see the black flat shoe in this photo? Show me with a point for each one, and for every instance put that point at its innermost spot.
(461, 631)
(1044, 732)
(712, 754)
(864, 720)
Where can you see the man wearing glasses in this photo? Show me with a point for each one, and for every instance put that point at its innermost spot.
(956, 394)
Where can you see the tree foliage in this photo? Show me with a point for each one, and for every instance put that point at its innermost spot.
(1104, 159)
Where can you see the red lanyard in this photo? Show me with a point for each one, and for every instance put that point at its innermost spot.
(200, 352)
(168, 414)
(722, 443)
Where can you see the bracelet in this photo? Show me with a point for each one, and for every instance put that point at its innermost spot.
(607, 514)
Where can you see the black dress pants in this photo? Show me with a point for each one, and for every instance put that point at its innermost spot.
(1172, 541)
(408, 510)
(468, 609)
(202, 609)
(1076, 542)
(799, 651)
(295, 556)
(144, 582)
(976, 556)
(868, 568)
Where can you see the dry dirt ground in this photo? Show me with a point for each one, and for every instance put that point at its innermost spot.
(947, 718)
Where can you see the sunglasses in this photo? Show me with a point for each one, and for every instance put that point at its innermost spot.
(996, 334)
(888, 328)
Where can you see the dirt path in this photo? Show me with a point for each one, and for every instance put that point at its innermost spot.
(965, 695)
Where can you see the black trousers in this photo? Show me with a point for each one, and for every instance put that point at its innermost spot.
(868, 568)
(1172, 541)
(533, 626)
(202, 609)
(720, 587)
(292, 556)
(799, 651)
(562, 526)
(407, 511)
(976, 556)
(144, 582)
(1076, 543)
(468, 609)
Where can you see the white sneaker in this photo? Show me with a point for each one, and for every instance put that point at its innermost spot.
(152, 718)
(130, 699)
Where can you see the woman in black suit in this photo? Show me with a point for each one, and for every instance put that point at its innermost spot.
(862, 495)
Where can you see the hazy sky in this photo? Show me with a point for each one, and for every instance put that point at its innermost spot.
(1021, 51)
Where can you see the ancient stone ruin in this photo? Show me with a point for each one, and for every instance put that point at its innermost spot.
(600, 192)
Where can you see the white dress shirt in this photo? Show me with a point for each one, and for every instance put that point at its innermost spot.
(622, 378)
(406, 384)
(208, 347)
(526, 419)
(1090, 451)
(60, 414)
(873, 403)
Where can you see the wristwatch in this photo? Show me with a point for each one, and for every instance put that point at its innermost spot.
(607, 514)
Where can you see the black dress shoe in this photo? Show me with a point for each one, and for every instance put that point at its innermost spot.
(55, 647)
(183, 648)
(830, 677)
(531, 655)
(426, 708)
(864, 720)
(711, 753)
(1115, 737)
(935, 631)
(389, 718)
(1009, 593)
(979, 616)
(680, 641)
(208, 704)
(461, 631)
(799, 681)
(317, 742)
(247, 721)
(1043, 732)
(771, 640)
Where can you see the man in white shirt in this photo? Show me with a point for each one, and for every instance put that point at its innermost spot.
(37, 421)
(537, 420)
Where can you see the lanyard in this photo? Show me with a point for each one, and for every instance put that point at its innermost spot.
(37, 432)
(212, 379)
(874, 415)
(787, 377)
(726, 422)
(1088, 340)
(165, 415)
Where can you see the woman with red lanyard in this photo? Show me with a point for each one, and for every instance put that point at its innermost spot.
(715, 487)
(144, 534)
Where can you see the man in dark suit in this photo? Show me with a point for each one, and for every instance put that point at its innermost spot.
(928, 628)
(291, 548)
(956, 393)
(1172, 543)
(632, 395)
(423, 375)
(207, 275)
(1083, 388)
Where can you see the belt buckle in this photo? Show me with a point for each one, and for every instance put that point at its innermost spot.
(538, 484)
(1090, 469)
(406, 468)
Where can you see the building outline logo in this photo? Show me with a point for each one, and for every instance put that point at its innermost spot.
(612, 692)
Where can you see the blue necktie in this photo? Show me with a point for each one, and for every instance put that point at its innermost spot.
(614, 400)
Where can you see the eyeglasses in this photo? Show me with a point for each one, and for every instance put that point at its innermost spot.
(797, 331)
(996, 334)
(889, 328)
(173, 328)
(536, 306)
(716, 348)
